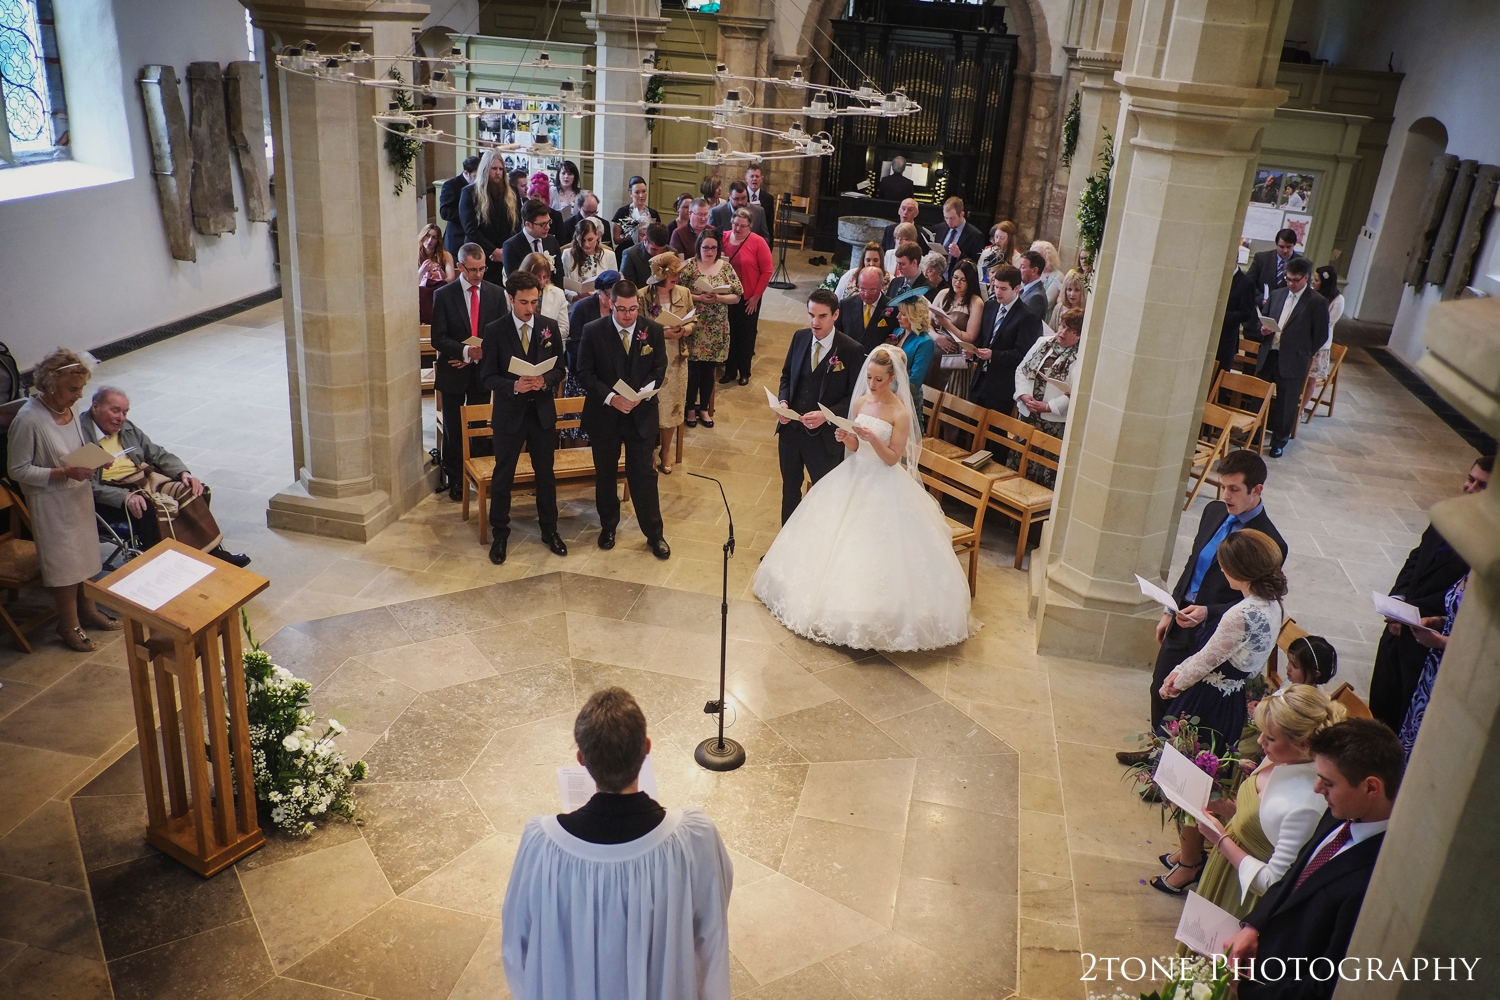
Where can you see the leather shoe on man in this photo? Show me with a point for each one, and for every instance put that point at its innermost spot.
(233, 558)
(607, 538)
(727, 379)
(555, 543)
(497, 551)
(1278, 449)
(660, 549)
(456, 492)
(1132, 756)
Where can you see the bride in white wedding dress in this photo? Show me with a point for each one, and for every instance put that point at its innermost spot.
(866, 560)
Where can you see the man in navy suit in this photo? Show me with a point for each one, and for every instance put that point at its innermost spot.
(1309, 914)
(624, 346)
(461, 309)
(862, 316)
(821, 366)
(1033, 289)
(961, 241)
(535, 237)
(448, 195)
(1267, 270)
(523, 412)
(1285, 356)
(1007, 330)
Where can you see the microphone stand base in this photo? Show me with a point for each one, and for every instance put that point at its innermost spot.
(716, 756)
(783, 285)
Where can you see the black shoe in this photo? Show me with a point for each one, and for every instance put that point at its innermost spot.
(1128, 757)
(456, 493)
(706, 422)
(607, 538)
(728, 378)
(233, 558)
(745, 380)
(660, 549)
(1277, 450)
(497, 551)
(555, 542)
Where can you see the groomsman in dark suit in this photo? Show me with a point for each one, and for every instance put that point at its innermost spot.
(523, 412)
(623, 346)
(961, 240)
(1267, 270)
(1202, 592)
(1429, 571)
(461, 309)
(448, 195)
(821, 366)
(1285, 357)
(755, 180)
(1309, 914)
(1007, 331)
(861, 317)
(535, 237)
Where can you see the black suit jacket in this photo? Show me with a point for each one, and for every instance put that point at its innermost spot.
(1306, 329)
(767, 202)
(1239, 313)
(636, 265)
(888, 238)
(852, 322)
(994, 384)
(519, 246)
(602, 362)
(835, 377)
(489, 235)
(1262, 275)
(1429, 571)
(584, 312)
(1315, 920)
(895, 187)
(448, 195)
(502, 341)
(1214, 593)
(450, 328)
(971, 243)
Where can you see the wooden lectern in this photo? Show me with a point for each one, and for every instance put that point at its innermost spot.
(202, 812)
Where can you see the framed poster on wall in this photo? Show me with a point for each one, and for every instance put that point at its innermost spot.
(521, 121)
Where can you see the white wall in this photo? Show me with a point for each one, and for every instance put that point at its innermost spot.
(88, 266)
(1447, 52)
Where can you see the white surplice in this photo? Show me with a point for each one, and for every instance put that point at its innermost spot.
(643, 920)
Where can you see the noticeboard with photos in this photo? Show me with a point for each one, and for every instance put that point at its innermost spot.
(521, 121)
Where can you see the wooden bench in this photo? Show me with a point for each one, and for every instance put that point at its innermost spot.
(967, 420)
(945, 477)
(20, 566)
(1021, 499)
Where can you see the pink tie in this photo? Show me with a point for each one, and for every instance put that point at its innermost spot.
(1326, 852)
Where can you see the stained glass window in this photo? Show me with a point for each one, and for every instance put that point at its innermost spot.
(35, 117)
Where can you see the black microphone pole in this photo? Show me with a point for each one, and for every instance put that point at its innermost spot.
(717, 753)
(781, 278)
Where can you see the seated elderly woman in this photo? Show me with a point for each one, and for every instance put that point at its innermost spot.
(1045, 380)
(934, 273)
(44, 433)
(149, 484)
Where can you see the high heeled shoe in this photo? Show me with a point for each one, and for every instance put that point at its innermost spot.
(1160, 883)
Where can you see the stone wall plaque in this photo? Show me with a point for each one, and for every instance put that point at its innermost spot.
(213, 183)
(1430, 215)
(247, 119)
(1471, 233)
(171, 156)
(1453, 218)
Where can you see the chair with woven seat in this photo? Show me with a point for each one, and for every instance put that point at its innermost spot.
(1329, 388)
(1211, 446)
(1023, 500)
(1006, 439)
(945, 477)
(965, 419)
(20, 566)
(1249, 399)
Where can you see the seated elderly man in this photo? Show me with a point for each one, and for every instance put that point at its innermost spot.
(143, 469)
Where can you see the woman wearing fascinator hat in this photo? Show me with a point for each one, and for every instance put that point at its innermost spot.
(866, 559)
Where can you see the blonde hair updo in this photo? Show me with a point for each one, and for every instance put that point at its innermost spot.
(1299, 711)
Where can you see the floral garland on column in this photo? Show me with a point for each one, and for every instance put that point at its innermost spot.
(1093, 209)
(1070, 130)
(401, 151)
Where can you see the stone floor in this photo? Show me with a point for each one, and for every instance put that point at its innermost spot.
(928, 825)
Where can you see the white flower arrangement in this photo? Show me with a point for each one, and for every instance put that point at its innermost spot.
(1195, 978)
(299, 772)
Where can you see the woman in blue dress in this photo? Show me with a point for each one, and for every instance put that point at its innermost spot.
(1435, 638)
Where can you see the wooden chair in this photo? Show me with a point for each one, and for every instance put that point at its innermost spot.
(1290, 633)
(425, 353)
(1021, 499)
(797, 204)
(570, 463)
(1354, 706)
(1212, 445)
(20, 566)
(945, 477)
(1248, 356)
(1006, 438)
(1249, 399)
(1329, 388)
(959, 415)
(477, 469)
(932, 401)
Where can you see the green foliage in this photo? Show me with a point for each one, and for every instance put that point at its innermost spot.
(1093, 208)
(656, 93)
(1070, 130)
(401, 151)
(834, 276)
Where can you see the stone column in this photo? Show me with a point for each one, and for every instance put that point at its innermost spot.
(1197, 84)
(626, 32)
(1435, 892)
(351, 320)
(745, 49)
(1093, 64)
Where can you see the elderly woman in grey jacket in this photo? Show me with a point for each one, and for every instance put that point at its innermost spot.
(45, 432)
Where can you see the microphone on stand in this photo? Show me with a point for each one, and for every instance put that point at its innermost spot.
(781, 278)
(718, 753)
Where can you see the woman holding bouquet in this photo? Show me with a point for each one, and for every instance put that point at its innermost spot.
(1270, 818)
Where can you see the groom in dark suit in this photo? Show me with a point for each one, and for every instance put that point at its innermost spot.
(623, 346)
(1202, 592)
(821, 366)
(523, 412)
(1310, 913)
(1285, 357)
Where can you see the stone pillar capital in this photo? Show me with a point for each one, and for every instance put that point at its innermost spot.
(1094, 63)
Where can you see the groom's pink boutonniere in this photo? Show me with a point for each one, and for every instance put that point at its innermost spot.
(834, 364)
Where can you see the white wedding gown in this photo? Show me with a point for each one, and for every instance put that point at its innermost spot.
(866, 561)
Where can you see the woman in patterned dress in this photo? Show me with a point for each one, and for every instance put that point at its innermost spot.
(663, 294)
(709, 345)
(1435, 637)
(1042, 403)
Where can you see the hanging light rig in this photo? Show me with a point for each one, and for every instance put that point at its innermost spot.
(732, 114)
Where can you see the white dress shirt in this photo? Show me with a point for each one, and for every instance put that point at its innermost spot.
(1292, 298)
(1357, 832)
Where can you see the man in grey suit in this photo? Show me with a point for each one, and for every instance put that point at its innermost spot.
(1033, 290)
(1286, 355)
(722, 218)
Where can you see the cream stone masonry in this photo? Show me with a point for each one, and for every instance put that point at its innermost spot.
(745, 48)
(1092, 62)
(627, 31)
(1198, 91)
(1434, 890)
(345, 236)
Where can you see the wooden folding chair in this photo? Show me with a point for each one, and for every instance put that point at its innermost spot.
(1248, 356)
(797, 204)
(1290, 633)
(1249, 398)
(1329, 388)
(967, 420)
(20, 566)
(1023, 500)
(945, 477)
(1212, 445)
(1354, 706)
